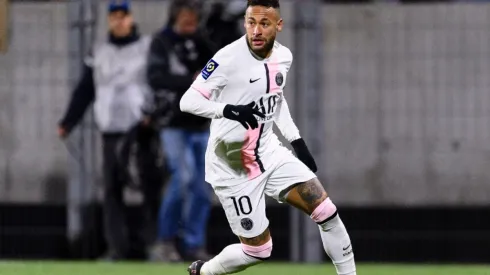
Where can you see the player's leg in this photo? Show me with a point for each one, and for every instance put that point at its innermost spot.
(311, 198)
(294, 183)
(244, 206)
(237, 257)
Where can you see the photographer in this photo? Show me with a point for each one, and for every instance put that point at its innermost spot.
(178, 53)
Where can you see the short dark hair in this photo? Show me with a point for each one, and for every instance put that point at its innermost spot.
(177, 6)
(265, 3)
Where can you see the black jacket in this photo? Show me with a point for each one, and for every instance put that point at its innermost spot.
(192, 53)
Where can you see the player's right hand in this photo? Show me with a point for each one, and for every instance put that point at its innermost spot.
(243, 114)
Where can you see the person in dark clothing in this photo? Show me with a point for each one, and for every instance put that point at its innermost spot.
(114, 79)
(223, 21)
(177, 54)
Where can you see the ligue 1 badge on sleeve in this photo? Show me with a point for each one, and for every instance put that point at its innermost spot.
(279, 79)
(209, 69)
(247, 224)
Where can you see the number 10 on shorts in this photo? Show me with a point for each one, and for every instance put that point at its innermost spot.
(242, 205)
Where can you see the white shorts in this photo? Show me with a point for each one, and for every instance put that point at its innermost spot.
(244, 204)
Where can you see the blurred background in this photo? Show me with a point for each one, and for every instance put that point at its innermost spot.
(391, 97)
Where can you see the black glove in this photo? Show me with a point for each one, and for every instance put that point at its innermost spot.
(303, 153)
(243, 114)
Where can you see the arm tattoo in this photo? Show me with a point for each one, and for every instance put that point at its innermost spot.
(312, 193)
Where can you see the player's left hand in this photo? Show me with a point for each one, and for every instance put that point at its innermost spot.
(304, 154)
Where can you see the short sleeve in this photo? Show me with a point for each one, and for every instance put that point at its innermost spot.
(214, 76)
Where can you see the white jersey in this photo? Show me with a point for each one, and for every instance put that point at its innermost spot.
(234, 76)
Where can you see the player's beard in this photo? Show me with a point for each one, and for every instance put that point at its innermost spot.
(265, 50)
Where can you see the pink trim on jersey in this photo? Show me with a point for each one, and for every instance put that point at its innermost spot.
(273, 71)
(249, 158)
(323, 211)
(264, 251)
(205, 93)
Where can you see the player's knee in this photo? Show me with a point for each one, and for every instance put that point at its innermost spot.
(324, 212)
(262, 252)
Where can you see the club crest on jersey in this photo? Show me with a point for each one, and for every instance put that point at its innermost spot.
(279, 79)
(209, 69)
(247, 224)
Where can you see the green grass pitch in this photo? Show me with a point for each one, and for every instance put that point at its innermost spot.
(94, 268)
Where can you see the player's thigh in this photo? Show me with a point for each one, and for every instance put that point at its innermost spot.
(244, 207)
(289, 173)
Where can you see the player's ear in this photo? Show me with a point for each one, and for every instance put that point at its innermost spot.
(279, 25)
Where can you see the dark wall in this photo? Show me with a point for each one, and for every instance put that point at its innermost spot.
(378, 234)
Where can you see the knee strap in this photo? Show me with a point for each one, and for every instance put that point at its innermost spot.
(324, 212)
(262, 252)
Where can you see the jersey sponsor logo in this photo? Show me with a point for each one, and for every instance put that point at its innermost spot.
(254, 80)
(267, 105)
(279, 79)
(209, 69)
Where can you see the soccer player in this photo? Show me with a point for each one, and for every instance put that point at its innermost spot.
(241, 90)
